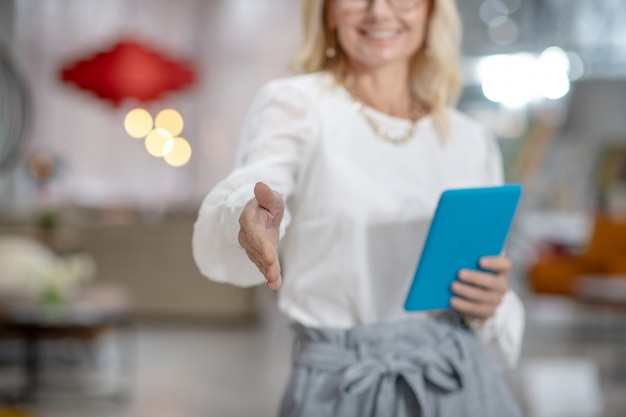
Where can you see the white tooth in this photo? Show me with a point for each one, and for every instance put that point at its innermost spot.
(382, 34)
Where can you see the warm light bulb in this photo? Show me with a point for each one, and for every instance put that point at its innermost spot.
(156, 140)
(138, 123)
(179, 154)
(170, 120)
(168, 147)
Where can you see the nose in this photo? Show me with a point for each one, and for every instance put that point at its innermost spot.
(380, 8)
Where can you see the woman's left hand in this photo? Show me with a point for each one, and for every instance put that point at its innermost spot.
(480, 293)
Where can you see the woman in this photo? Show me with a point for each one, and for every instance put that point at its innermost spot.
(342, 168)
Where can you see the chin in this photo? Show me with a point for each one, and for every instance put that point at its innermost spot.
(379, 57)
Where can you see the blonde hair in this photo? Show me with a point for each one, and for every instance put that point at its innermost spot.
(435, 67)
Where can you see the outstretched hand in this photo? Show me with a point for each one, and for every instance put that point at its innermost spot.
(259, 232)
(480, 293)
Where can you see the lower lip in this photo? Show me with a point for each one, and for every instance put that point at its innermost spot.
(379, 41)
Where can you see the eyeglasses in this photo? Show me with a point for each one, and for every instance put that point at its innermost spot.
(362, 5)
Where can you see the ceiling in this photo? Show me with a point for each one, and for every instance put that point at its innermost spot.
(594, 29)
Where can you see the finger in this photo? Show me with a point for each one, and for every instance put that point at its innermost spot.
(256, 261)
(485, 280)
(267, 198)
(267, 251)
(476, 294)
(243, 240)
(472, 309)
(258, 249)
(275, 285)
(272, 265)
(271, 271)
(249, 242)
(274, 280)
(263, 250)
(498, 264)
(254, 238)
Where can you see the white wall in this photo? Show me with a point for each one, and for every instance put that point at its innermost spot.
(236, 46)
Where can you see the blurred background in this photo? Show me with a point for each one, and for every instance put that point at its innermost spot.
(117, 117)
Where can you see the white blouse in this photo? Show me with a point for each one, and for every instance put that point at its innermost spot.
(357, 207)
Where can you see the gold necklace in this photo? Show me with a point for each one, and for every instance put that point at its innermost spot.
(380, 130)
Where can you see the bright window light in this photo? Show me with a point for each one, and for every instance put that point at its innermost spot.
(518, 79)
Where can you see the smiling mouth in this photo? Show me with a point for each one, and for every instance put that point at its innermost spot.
(381, 34)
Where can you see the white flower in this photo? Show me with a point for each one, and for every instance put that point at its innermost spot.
(28, 267)
(71, 271)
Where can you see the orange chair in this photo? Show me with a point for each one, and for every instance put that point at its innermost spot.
(556, 273)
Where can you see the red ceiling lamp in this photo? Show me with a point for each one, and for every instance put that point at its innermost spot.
(129, 70)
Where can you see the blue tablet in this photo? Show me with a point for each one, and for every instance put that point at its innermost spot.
(468, 224)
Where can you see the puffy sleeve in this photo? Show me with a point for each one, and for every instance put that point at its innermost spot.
(502, 333)
(277, 133)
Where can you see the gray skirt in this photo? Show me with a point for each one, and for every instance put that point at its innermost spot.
(427, 367)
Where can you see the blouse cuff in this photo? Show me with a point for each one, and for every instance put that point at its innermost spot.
(503, 331)
(235, 204)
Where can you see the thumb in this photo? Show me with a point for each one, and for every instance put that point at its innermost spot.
(269, 199)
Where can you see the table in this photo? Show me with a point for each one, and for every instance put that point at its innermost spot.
(96, 310)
